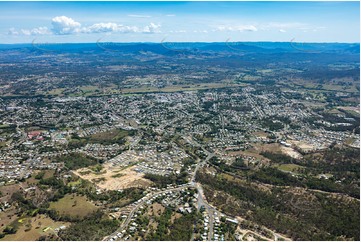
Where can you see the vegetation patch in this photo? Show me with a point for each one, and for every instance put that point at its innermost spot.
(73, 205)
(75, 161)
(34, 228)
(117, 175)
(302, 216)
(290, 168)
(93, 227)
(110, 137)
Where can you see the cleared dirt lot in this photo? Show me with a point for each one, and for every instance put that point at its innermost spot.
(114, 178)
(291, 152)
(156, 209)
(301, 145)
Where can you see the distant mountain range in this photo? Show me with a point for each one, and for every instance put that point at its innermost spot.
(166, 47)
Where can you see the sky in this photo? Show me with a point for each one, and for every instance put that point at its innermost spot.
(90, 22)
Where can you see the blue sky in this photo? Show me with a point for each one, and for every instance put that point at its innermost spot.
(24, 22)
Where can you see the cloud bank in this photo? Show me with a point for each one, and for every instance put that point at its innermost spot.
(239, 28)
(63, 25)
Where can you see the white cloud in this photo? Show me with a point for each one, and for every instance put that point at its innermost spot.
(65, 25)
(170, 15)
(36, 31)
(200, 31)
(282, 27)
(139, 16)
(279, 25)
(178, 31)
(12, 31)
(119, 28)
(101, 28)
(151, 28)
(109, 27)
(239, 28)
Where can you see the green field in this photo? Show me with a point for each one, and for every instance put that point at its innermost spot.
(179, 88)
(89, 90)
(73, 206)
(111, 136)
(289, 167)
(31, 228)
(75, 161)
(2, 144)
(75, 183)
(56, 91)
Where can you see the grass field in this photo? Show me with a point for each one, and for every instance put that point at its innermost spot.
(111, 135)
(31, 228)
(353, 111)
(289, 167)
(75, 183)
(56, 91)
(180, 88)
(73, 206)
(324, 87)
(89, 90)
(47, 174)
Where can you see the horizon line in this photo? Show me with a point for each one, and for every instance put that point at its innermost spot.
(190, 42)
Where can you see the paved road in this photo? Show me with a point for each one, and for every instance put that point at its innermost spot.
(136, 141)
(201, 198)
(199, 163)
(23, 137)
(209, 209)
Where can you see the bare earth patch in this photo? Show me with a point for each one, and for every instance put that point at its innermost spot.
(274, 148)
(156, 209)
(301, 145)
(175, 216)
(114, 179)
(291, 152)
